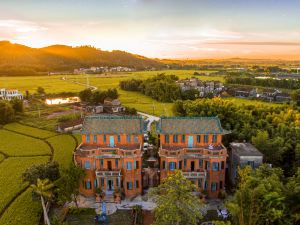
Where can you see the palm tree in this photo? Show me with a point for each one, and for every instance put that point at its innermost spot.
(43, 188)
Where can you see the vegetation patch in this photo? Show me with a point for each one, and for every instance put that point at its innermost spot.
(27, 130)
(23, 211)
(11, 183)
(14, 144)
(64, 146)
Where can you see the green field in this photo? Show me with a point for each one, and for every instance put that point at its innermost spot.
(29, 130)
(20, 213)
(23, 210)
(14, 144)
(11, 170)
(54, 84)
(64, 146)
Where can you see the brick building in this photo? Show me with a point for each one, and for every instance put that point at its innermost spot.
(193, 145)
(111, 154)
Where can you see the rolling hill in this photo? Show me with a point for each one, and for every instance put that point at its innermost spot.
(16, 59)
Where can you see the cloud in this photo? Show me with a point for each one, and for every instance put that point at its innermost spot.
(20, 26)
(265, 43)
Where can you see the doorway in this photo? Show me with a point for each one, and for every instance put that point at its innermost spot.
(109, 167)
(192, 166)
(110, 185)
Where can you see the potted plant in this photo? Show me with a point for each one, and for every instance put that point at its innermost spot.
(99, 194)
(117, 196)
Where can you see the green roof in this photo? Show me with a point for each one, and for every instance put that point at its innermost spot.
(113, 125)
(190, 125)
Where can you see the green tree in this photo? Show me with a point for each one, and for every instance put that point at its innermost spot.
(17, 105)
(41, 91)
(7, 113)
(86, 95)
(296, 96)
(68, 184)
(112, 93)
(259, 197)
(43, 171)
(175, 201)
(43, 188)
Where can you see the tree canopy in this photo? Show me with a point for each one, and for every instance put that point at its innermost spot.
(176, 204)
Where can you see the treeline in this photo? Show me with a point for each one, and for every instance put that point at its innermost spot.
(161, 87)
(275, 131)
(97, 96)
(9, 110)
(284, 83)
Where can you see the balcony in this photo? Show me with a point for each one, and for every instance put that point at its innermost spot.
(108, 173)
(194, 174)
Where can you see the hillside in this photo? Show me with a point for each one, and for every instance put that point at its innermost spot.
(16, 59)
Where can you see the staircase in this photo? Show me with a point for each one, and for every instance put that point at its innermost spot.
(109, 197)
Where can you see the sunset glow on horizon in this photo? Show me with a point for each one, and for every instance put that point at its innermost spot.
(160, 29)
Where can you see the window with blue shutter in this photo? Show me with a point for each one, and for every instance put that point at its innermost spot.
(101, 163)
(136, 164)
(175, 138)
(167, 138)
(102, 182)
(200, 163)
(104, 138)
(205, 185)
(137, 184)
(214, 140)
(207, 165)
(172, 165)
(117, 163)
(128, 139)
(215, 166)
(87, 165)
(129, 185)
(136, 139)
(88, 185)
(119, 138)
(206, 138)
(128, 165)
(88, 138)
(183, 138)
(95, 138)
(185, 163)
(198, 138)
(95, 183)
(214, 186)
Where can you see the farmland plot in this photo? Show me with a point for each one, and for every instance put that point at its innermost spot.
(35, 132)
(14, 144)
(11, 170)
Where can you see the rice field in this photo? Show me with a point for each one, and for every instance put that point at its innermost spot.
(2, 157)
(64, 146)
(20, 213)
(11, 170)
(31, 131)
(14, 144)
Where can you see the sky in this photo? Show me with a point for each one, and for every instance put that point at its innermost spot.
(179, 29)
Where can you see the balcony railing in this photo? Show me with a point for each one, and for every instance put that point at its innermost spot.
(107, 173)
(194, 174)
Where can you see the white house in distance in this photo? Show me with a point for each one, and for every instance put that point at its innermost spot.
(9, 94)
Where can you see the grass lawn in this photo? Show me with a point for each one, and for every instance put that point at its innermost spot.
(11, 170)
(64, 146)
(20, 213)
(29, 130)
(14, 144)
(240, 101)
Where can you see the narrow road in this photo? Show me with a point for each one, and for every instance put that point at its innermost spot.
(149, 118)
(94, 88)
